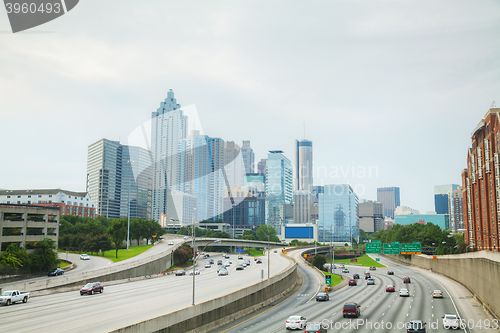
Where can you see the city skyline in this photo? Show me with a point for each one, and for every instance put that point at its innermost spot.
(372, 94)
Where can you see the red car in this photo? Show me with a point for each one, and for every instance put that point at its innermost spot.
(91, 288)
(390, 288)
(406, 280)
(351, 309)
(353, 282)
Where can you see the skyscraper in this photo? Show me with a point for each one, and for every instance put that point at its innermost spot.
(168, 126)
(456, 210)
(248, 157)
(481, 185)
(304, 166)
(338, 214)
(119, 179)
(442, 195)
(279, 189)
(261, 166)
(371, 216)
(234, 164)
(200, 166)
(389, 197)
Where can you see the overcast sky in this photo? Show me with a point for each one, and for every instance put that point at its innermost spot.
(388, 89)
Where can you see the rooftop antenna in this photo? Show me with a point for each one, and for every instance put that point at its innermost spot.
(493, 105)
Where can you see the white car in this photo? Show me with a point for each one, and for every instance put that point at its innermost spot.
(345, 270)
(207, 265)
(404, 293)
(186, 237)
(295, 322)
(84, 257)
(451, 321)
(223, 272)
(196, 272)
(437, 294)
(171, 243)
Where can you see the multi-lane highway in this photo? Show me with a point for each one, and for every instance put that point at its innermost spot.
(381, 311)
(127, 303)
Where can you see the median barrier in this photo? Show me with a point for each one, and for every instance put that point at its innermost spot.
(208, 315)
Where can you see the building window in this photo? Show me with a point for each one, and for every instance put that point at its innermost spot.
(39, 196)
(18, 196)
(8, 202)
(19, 202)
(29, 196)
(8, 196)
(50, 195)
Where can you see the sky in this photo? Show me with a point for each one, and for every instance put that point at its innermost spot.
(388, 91)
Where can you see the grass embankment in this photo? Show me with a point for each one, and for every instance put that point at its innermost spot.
(254, 252)
(122, 253)
(364, 261)
(62, 264)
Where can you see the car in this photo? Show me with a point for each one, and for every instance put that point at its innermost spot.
(355, 276)
(437, 294)
(315, 328)
(373, 268)
(244, 264)
(367, 273)
(180, 272)
(225, 256)
(322, 297)
(275, 251)
(295, 322)
(415, 326)
(196, 272)
(255, 259)
(390, 273)
(345, 270)
(368, 276)
(390, 288)
(223, 272)
(55, 272)
(84, 257)
(351, 309)
(92, 288)
(211, 261)
(248, 262)
(451, 321)
(186, 237)
(259, 261)
(240, 257)
(404, 293)
(370, 281)
(406, 279)
(207, 265)
(219, 262)
(353, 282)
(221, 268)
(228, 263)
(341, 266)
(240, 267)
(207, 255)
(170, 243)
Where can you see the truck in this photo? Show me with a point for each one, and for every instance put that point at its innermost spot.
(12, 296)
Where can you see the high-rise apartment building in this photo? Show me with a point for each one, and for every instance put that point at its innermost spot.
(389, 198)
(119, 179)
(248, 157)
(200, 167)
(444, 203)
(481, 185)
(338, 214)
(168, 126)
(279, 190)
(371, 216)
(457, 210)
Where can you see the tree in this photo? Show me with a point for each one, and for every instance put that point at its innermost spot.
(266, 232)
(117, 232)
(104, 243)
(44, 258)
(318, 261)
(137, 230)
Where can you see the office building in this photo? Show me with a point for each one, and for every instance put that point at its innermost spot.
(279, 190)
(261, 166)
(338, 214)
(405, 210)
(371, 216)
(119, 179)
(389, 198)
(200, 167)
(481, 185)
(255, 183)
(25, 225)
(248, 157)
(457, 210)
(234, 165)
(442, 195)
(303, 165)
(441, 220)
(316, 191)
(168, 126)
(246, 209)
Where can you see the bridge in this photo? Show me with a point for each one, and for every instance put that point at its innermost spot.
(201, 242)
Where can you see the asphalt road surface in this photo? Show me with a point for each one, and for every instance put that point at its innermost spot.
(128, 303)
(381, 311)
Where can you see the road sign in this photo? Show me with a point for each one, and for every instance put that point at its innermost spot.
(413, 248)
(434, 258)
(374, 247)
(391, 248)
(377, 259)
(240, 250)
(354, 259)
(305, 255)
(328, 279)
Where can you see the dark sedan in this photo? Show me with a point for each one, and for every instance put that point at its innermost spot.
(55, 272)
(390, 273)
(180, 272)
(355, 276)
(92, 288)
(322, 297)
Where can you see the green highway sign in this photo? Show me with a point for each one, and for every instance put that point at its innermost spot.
(391, 248)
(328, 279)
(374, 247)
(377, 259)
(413, 248)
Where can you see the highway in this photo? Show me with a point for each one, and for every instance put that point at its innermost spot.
(127, 303)
(383, 310)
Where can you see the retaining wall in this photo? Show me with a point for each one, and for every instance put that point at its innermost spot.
(208, 315)
(478, 271)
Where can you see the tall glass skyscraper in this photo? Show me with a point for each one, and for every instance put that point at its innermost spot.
(168, 126)
(279, 190)
(338, 214)
(389, 197)
(119, 178)
(304, 166)
(200, 163)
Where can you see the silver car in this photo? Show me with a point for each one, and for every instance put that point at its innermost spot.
(223, 272)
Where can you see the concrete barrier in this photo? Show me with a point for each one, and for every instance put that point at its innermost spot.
(208, 315)
(478, 271)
